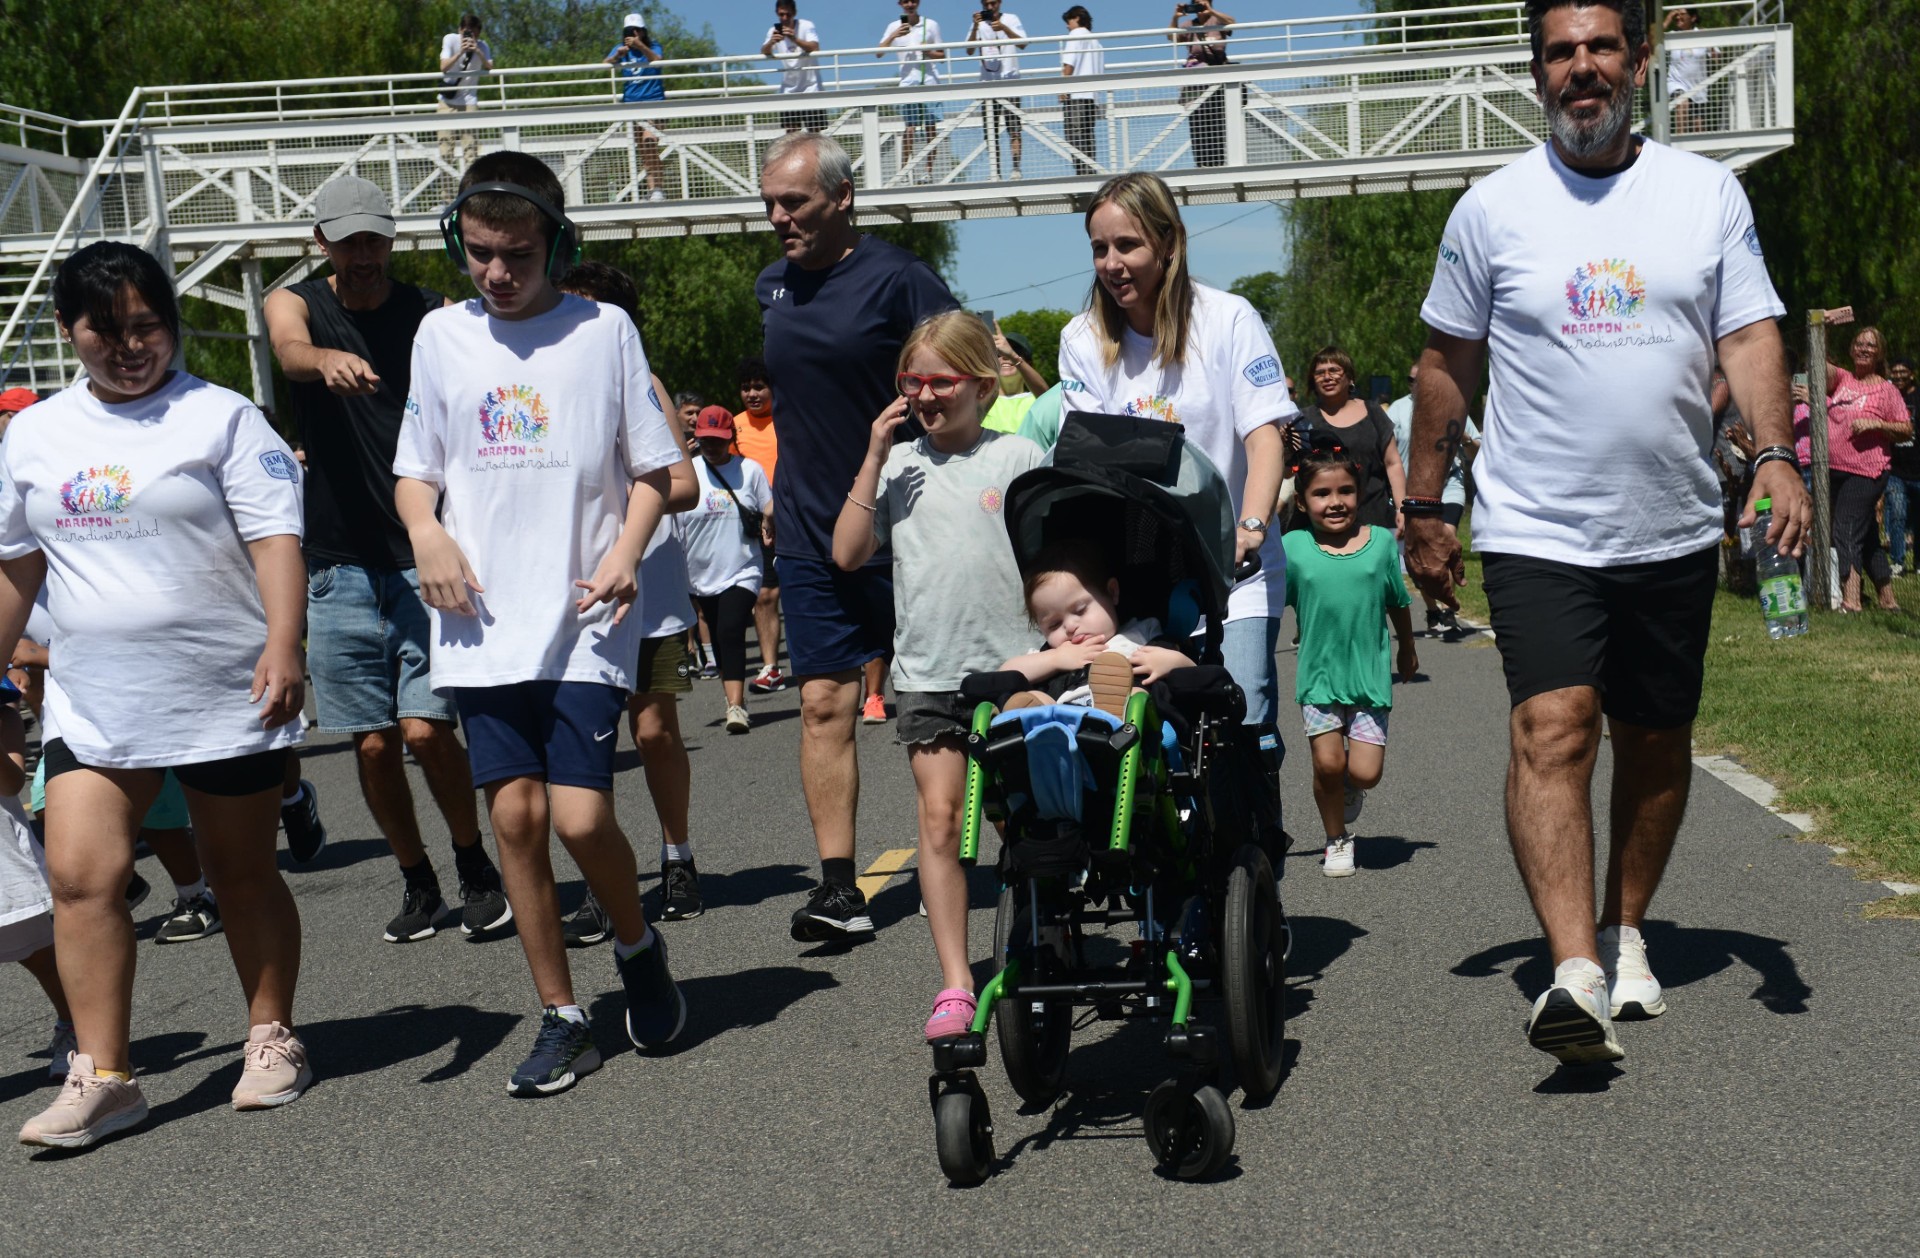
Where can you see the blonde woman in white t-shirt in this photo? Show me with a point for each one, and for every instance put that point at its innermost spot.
(164, 515)
(1153, 343)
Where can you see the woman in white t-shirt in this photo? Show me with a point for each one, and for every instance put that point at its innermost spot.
(163, 514)
(723, 548)
(1154, 343)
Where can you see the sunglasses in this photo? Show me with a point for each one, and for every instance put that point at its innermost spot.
(910, 384)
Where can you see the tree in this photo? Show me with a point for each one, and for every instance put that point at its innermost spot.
(1042, 329)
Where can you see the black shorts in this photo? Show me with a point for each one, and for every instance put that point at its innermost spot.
(232, 778)
(1637, 632)
(769, 571)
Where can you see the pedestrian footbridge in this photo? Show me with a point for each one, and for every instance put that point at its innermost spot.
(218, 179)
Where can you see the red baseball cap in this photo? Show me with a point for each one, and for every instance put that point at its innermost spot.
(17, 400)
(713, 421)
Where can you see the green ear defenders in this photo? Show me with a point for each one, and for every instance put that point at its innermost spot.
(566, 235)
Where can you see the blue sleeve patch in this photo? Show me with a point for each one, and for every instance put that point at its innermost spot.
(1753, 240)
(280, 465)
(1262, 371)
(653, 395)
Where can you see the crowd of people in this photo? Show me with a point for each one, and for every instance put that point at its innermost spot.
(508, 541)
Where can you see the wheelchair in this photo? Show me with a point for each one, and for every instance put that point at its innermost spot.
(1163, 821)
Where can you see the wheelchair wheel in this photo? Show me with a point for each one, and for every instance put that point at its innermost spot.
(1253, 972)
(963, 1132)
(1191, 1134)
(1033, 1041)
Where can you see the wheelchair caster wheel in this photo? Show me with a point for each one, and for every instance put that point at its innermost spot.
(1190, 1133)
(963, 1132)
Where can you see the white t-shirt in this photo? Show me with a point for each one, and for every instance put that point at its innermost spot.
(1083, 54)
(1400, 411)
(534, 430)
(915, 69)
(663, 606)
(1231, 384)
(999, 59)
(23, 870)
(465, 96)
(1686, 70)
(797, 73)
(719, 556)
(1601, 301)
(144, 511)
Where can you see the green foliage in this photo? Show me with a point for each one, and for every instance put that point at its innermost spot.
(1042, 329)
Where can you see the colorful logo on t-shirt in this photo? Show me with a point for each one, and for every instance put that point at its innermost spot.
(1156, 406)
(1609, 289)
(513, 414)
(97, 491)
(718, 502)
(991, 500)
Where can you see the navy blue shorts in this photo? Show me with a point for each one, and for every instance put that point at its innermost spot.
(562, 731)
(836, 621)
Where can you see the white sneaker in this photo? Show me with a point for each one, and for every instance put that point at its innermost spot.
(737, 720)
(63, 1047)
(658, 194)
(1339, 858)
(1633, 992)
(1356, 800)
(1570, 1020)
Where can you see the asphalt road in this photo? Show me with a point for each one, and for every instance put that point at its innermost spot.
(1771, 1110)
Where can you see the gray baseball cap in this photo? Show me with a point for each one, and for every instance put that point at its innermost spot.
(350, 204)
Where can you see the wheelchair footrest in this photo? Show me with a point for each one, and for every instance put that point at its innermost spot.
(1195, 1043)
(955, 1053)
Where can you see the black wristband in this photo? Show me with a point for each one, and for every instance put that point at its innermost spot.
(1773, 454)
(1416, 507)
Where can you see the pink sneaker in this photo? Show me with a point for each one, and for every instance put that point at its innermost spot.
(89, 1107)
(953, 1012)
(276, 1069)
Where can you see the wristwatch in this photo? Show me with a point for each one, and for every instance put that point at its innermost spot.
(1254, 523)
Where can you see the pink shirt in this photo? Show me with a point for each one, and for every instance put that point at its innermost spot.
(1863, 454)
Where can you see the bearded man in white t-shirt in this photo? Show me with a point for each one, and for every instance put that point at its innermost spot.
(1601, 276)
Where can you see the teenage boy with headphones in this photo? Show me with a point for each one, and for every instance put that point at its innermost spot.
(532, 426)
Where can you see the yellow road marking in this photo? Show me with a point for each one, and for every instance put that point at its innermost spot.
(878, 873)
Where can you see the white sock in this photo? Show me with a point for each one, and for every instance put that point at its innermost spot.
(1578, 967)
(572, 1013)
(298, 791)
(627, 951)
(1624, 934)
(675, 852)
(194, 889)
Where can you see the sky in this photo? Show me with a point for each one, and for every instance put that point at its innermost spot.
(1027, 263)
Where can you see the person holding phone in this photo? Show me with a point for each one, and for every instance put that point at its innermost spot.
(912, 36)
(636, 57)
(1203, 45)
(464, 57)
(792, 41)
(997, 36)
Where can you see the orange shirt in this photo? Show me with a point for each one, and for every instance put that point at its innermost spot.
(753, 439)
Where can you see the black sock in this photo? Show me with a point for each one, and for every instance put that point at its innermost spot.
(421, 875)
(472, 858)
(837, 871)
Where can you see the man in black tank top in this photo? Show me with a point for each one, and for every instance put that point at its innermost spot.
(345, 342)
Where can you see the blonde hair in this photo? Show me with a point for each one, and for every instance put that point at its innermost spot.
(961, 340)
(1879, 348)
(1148, 201)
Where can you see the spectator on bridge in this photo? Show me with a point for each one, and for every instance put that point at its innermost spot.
(1686, 74)
(1903, 476)
(1203, 44)
(919, 67)
(635, 56)
(793, 41)
(345, 342)
(836, 309)
(998, 37)
(162, 513)
(1080, 55)
(464, 57)
(1866, 414)
(1359, 424)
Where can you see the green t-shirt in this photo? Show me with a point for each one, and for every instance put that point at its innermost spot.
(1346, 645)
(1041, 423)
(1007, 411)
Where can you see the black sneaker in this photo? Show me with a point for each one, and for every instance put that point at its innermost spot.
(301, 820)
(193, 917)
(563, 1053)
(483, 905)
(138, 889)
(419, 906)
(587, 925)
(1436, 620)
(832, 912)
(655, 1008)
(679, 891)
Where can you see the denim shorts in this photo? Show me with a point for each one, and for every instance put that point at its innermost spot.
(925, 716)
(368, 637)
(563, 732)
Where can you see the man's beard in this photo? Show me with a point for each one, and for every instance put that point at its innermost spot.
(1581, 140)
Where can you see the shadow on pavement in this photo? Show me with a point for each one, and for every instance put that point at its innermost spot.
(1679, 955)
(1386, 851)
(353, 1046)
(1579, 1080)
(337, 854)
(716, 1004)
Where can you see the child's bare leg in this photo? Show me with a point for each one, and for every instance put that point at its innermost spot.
(177, 854)
(940, 779)
(43, 969)
(517, 807)
(584, 820)
(1330, 780)
(1365, 762)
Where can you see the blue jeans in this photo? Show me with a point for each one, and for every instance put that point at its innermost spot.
(1247, 647)
(368, 648)
(1903, 501)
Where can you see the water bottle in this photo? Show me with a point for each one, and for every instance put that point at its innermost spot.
(1783, 601)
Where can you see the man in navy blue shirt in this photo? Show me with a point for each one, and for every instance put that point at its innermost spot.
(635, 56)
(836, 308)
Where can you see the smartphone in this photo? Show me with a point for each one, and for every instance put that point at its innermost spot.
(1800, 378)
(986, 317)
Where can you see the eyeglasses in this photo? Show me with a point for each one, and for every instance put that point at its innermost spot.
(910, 384)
